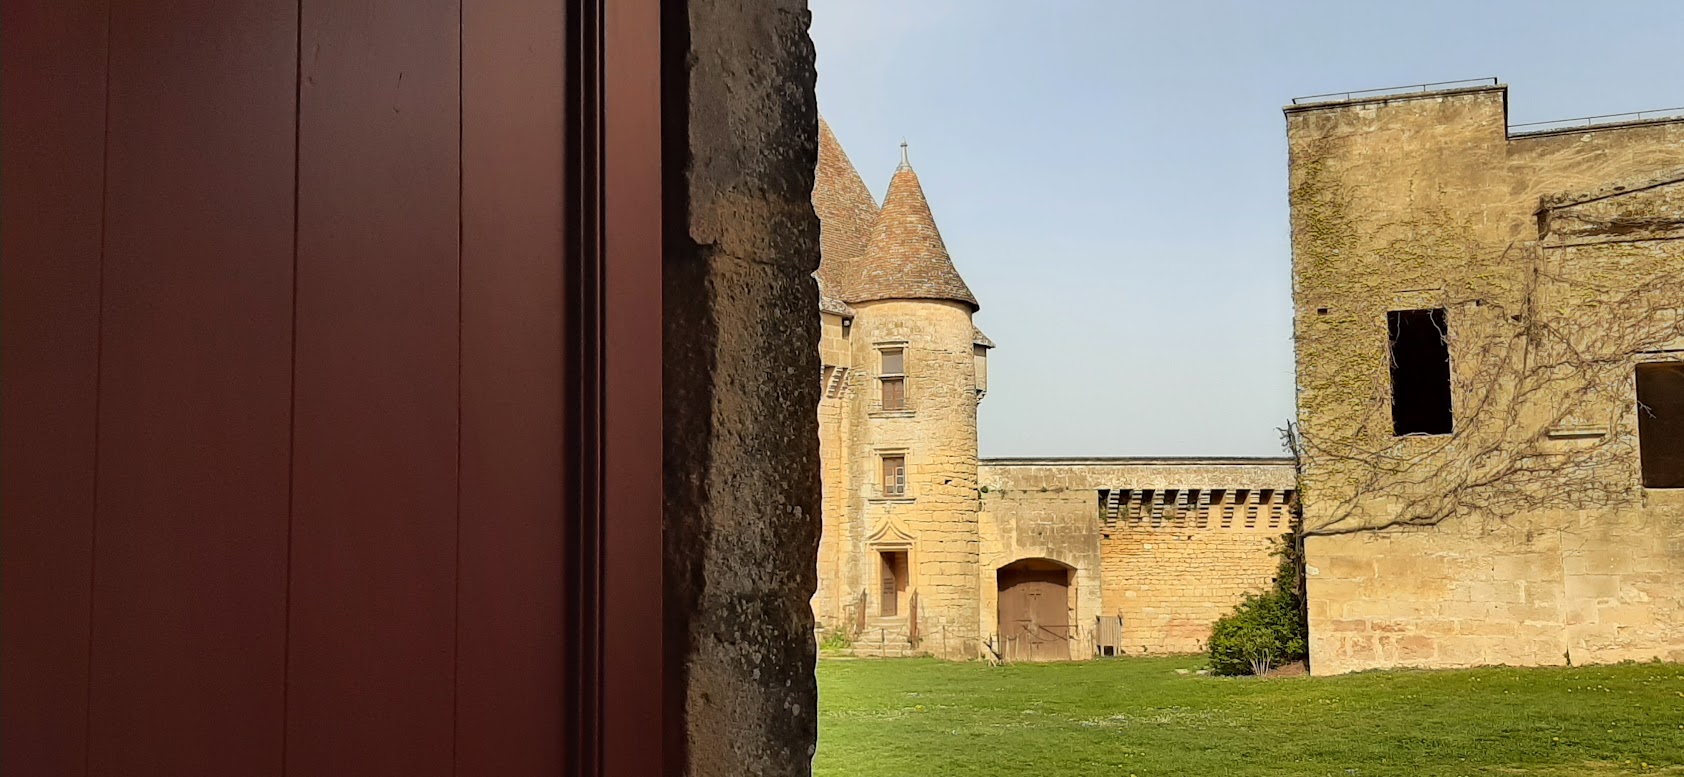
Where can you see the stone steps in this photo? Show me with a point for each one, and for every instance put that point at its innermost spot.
(885, 638)
(888, 650)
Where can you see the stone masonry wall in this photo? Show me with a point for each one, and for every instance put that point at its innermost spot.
(1170, 585)
(1426, 201)
(1169, 571)
(937, 435)
(836, 575)
(741, 463)
(1020, 523)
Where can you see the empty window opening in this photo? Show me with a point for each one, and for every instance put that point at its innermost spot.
(894, 475)
(892, 379)
(1660, 424)
(892, 568)
(1420, 365)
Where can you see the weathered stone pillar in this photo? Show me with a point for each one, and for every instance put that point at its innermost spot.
(741, 381)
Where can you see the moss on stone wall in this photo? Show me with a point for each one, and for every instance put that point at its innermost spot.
(1425, 202)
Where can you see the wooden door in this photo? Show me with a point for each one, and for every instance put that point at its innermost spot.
(1034, 612)
(893, 577)
(887, 595)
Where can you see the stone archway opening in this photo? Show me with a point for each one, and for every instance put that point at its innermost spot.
(1034, 610)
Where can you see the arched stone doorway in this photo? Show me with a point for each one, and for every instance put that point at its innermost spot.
(1035, 610)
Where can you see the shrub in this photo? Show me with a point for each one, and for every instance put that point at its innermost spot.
(1266, 629)
(836, 639)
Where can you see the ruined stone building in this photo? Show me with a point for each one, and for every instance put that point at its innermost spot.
(926, 549)
(1490, 360)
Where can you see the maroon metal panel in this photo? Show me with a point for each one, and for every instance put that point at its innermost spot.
(371, 659)
(640, 692)
(239, 441)
(53, 87)
(510, 693)
(190, 540)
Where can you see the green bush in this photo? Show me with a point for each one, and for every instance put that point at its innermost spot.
(1267, 629)
(836, 639)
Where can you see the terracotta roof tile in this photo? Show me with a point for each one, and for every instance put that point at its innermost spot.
(846, 215)
(906, 258)
(829, 302)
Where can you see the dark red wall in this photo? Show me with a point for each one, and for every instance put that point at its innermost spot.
(283, 387)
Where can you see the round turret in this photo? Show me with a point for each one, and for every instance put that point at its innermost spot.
(914, 417)
(905, 258)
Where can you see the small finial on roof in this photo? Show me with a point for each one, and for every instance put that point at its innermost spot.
(905, 164)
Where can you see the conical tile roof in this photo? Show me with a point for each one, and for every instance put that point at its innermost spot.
(846, 214)
(906, 258)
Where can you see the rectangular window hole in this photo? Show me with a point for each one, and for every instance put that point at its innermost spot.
(1660, 424)
(1420, 367)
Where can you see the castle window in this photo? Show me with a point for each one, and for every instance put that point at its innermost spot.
(894, 475)
(1420, 366)
(892, 379)
(1660, 424)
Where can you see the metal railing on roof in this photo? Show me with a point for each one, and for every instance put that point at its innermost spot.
(1467, 83)
(1606, 118)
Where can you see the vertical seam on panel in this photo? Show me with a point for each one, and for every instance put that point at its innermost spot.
(456, 573)
(292, 381)
(99, 371)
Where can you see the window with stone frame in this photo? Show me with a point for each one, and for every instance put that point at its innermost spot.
(894, 475)
(1660, 423)
(891, 379)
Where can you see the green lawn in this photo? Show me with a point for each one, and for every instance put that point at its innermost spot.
(1138, 716)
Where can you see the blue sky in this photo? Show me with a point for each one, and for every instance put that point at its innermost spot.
(1110, 176)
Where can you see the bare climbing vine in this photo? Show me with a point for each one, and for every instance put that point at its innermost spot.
(1542, 338)
(1541, 395)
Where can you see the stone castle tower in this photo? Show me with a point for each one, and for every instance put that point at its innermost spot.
(903, 371)
(927, 549)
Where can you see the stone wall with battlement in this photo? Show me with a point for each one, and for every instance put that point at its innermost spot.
(1167, 544)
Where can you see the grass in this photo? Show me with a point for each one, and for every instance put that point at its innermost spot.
(1139, 717)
